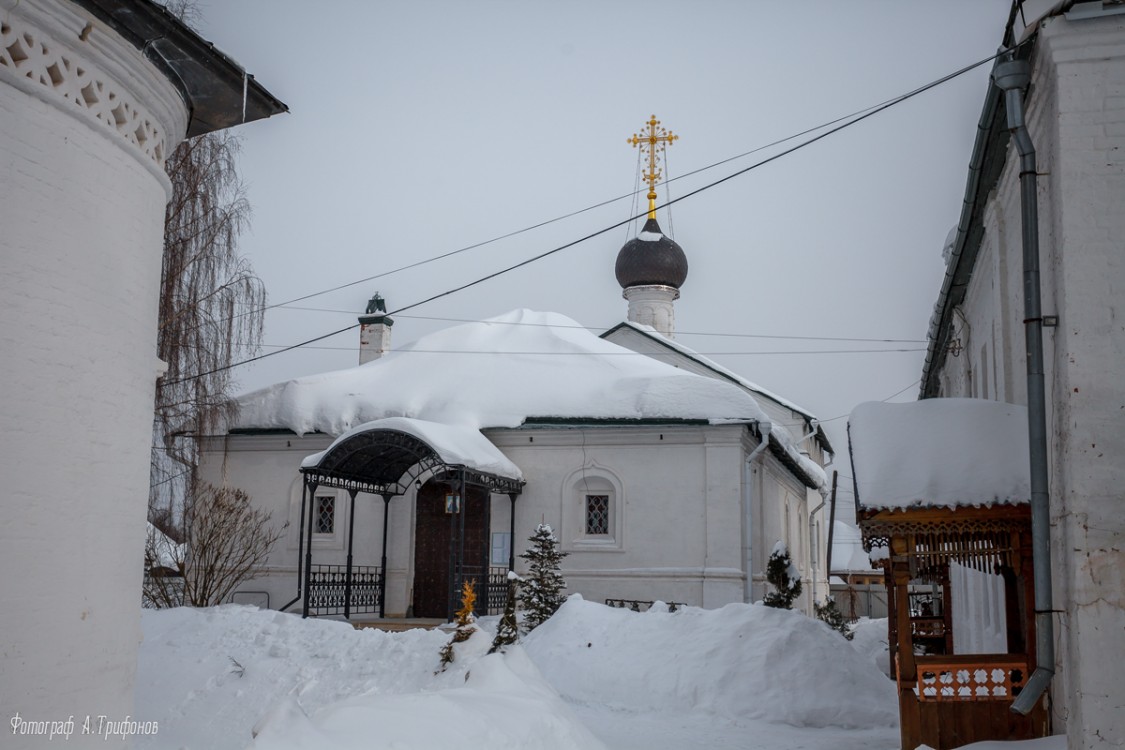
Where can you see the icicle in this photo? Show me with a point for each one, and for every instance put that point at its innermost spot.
(245, 85)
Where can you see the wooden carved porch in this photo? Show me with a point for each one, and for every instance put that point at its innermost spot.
(947, 699)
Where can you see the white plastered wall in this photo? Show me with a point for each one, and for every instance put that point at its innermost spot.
(678, 522)
(82, 196)
(1076, 116)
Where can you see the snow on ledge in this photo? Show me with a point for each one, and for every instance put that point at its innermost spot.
(941, 452)
(456, 446)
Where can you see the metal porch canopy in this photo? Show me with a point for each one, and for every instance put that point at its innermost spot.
(384, 458)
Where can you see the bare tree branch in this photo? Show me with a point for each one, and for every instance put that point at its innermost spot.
(228, 541)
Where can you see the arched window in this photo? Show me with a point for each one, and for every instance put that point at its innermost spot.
(592, 509)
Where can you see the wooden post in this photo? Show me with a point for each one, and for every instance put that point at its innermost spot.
(909, 715)
(947, 608)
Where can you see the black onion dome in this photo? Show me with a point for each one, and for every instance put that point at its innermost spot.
(651, 261)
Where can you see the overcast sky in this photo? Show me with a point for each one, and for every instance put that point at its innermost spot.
(418, 128)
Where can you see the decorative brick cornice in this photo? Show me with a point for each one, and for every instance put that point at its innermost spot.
(29, 55)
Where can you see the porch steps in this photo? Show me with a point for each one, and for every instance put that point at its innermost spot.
(399, 624)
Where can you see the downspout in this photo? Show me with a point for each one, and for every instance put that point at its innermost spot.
(812, 540)
(1012, 77)
(748, 483)
(812, 537)
(831, 529)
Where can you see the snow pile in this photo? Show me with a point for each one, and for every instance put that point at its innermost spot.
(870, 638)
(741, 661)
(501, 703)
(1054, 742)
(498, 373)
(942, 452)
(211, 677)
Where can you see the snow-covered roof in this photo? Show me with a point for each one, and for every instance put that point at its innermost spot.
(454, 445)
(782, 439)
(713, 365)
(498, 373)
(941, 452)
(847, 549)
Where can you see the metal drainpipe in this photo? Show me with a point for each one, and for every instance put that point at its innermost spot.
(1012, 76)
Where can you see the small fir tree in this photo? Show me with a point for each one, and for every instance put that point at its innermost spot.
(833, 617)
(783, 575)
(466, 623)
(508, 631)
(542, 588)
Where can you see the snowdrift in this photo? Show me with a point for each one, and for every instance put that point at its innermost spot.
(215, 677)
(741, 661)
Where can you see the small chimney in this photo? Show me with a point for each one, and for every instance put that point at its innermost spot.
(374, 330)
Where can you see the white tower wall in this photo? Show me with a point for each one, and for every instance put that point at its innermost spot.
(85, 124)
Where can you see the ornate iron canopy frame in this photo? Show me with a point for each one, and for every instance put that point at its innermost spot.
(387, 462)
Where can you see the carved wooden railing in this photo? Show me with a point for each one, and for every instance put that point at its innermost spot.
(970, 677)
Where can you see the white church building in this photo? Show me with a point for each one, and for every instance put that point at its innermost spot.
(665, 476)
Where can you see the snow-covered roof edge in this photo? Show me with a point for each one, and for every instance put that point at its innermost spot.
(724, 372)
(452, 376)
(455, 445)
(939, 453)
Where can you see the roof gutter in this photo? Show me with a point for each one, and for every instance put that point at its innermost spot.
(1012, 76)
(963, 255)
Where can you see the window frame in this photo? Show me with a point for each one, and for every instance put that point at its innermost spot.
(592, 480)
(318, 514)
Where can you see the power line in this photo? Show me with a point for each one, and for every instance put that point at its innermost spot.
(633, 209)
(883, 400)
(716, 183)
(849, 122)
(599, 354)
(606, 328)
(572, 214)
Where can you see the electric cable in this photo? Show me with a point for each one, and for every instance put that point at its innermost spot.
(634, 207)
(866, 114)
(626, 353)
(606, 328)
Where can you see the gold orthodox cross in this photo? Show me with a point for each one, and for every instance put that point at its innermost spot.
(655, 136)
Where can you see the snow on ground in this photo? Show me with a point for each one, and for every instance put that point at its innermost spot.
(869, 638)
(692, 678)
(740, 662)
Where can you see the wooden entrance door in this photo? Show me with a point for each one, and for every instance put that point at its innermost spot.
(434, 531)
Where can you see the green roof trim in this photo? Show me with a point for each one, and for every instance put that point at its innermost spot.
(608, 421)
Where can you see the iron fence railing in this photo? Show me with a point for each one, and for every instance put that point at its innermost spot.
(639, 605)
(331, 593)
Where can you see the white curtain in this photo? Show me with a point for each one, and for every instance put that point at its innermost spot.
(977, 601)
